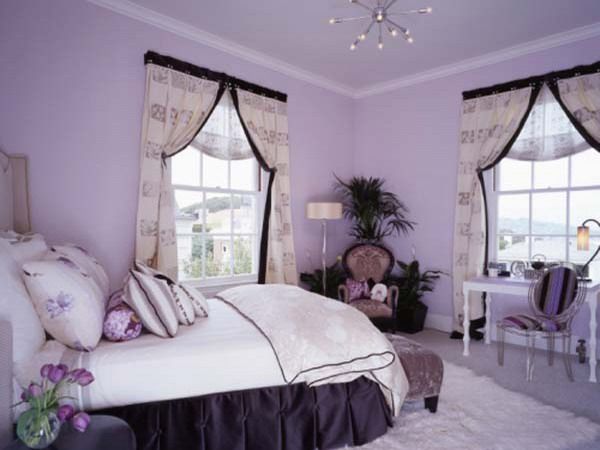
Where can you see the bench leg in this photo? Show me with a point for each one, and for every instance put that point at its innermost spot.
(431, 403)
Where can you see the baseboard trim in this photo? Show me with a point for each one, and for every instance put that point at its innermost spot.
(439, 322)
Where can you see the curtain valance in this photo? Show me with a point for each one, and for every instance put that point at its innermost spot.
(181, 99)
(510, 120)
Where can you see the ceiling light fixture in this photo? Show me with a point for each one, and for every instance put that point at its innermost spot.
(380, 15)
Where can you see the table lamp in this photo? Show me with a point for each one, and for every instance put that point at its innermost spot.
(324, 211)
(583, 241)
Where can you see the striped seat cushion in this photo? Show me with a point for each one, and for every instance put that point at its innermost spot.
(529, 323)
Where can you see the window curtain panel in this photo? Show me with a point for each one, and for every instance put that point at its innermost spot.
(176, 107)
(579, 97)
(489, 126)
(266, 125)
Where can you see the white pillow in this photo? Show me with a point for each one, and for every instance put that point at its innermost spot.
(153, 302)
(87, 262)
(184, 310)
(66, 302)
(25, 247)
(16, 307)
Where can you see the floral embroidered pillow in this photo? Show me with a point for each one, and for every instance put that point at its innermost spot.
(357, 289)
(66, 302)
(121, 324)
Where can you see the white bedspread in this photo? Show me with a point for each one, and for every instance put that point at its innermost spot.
(318, 340)
(218, 354)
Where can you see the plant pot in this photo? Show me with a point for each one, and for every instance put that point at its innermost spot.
(410, 318)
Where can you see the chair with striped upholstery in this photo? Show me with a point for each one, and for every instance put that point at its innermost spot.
(554, 300)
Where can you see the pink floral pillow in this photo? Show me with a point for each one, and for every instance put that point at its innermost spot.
(121, 324)
(357, 289)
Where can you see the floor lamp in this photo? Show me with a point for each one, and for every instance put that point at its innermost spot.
(324, 211)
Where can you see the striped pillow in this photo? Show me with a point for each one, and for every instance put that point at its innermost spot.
(188, 297)
(153, 302)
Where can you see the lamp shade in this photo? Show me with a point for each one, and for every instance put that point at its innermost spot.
(583, 238)
(324, 210)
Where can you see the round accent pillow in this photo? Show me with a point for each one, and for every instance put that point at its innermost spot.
(121, 324)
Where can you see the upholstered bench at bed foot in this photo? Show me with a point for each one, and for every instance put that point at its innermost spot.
(424, 370)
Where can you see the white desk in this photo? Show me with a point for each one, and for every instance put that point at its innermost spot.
(520, 287)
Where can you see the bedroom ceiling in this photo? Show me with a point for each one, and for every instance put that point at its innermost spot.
(298, 32)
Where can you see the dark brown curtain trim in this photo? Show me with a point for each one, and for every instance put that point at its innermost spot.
(549, 78)
(167, 61)
(580, 128)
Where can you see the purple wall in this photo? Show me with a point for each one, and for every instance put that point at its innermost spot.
(72, 88)
(410, 137)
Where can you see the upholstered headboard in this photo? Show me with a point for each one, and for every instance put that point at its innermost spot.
(14, 193)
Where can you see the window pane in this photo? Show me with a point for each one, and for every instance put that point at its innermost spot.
(585, 168)
(188, 210)
(549, 213)
(214, 172)
(584, 205)
(243, 258)
(511, 248)
(244, 174)
(513, 214)
(185, 167)
(189, 254)
(581, 256)
(244, 214)
(553, 248)
(514, 175)
(218, 213)
(551, 174)
(218, 256)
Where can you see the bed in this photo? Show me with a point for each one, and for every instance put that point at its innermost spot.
(223, 382)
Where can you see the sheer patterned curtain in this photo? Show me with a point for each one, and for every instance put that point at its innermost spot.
(176, 107)
(489, 126)
(580, 98)
(266, 125)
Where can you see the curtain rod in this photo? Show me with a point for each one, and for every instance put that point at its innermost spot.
(181, 66)
(551, 77)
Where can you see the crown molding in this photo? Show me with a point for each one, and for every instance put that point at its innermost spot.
(182, 29)
(166, 23)
(545, 43)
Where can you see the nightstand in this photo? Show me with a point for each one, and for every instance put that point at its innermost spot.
(104, 432)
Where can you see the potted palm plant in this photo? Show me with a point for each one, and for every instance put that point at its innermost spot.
(374, 212)
(412, 285)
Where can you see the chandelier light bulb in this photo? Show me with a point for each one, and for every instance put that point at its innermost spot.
(353, 47)
(410, 40)
(362, 37)
(393, 32)
(332, 21)
(379, 17)
(427, 10)
(380, 46)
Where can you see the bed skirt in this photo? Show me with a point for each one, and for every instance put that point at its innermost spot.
(293, 417)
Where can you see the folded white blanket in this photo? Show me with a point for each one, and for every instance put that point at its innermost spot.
(317, 340)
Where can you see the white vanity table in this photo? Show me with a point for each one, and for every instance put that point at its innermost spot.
(520, 287)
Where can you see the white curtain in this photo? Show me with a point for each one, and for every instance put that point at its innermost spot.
(265, 120)
(488, 125)
(175, 108)
(581, 97)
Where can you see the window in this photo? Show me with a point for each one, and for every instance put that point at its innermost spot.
(219, 203)
(539, 204)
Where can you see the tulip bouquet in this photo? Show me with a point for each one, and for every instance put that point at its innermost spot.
(39, 426)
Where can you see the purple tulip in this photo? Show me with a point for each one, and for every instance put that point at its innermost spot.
(45, 370)
(85, 378)
(80, 421)
(65, 412)
(24, 395)
(58, 373)
(74, 375)
(35, 390)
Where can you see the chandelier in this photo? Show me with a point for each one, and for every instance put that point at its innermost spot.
(381, 17)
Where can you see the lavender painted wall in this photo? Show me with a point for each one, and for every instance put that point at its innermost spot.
(72, 88)
(410, 137)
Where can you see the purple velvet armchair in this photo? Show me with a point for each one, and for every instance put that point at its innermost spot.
(371, 263)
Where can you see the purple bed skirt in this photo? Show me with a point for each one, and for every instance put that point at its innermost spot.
(293, 417)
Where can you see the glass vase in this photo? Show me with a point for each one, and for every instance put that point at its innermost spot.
(38, 429)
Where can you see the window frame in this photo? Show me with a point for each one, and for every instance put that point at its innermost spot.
(492, 181)
(210, 284)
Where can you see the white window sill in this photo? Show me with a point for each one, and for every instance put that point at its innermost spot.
(211, 288)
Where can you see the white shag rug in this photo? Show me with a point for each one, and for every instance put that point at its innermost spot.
(475, 413)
